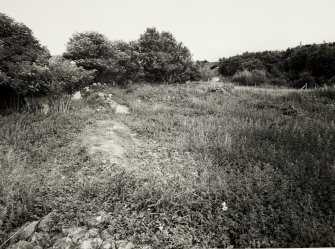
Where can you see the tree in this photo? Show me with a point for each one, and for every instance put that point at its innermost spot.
(128, 64)
(67, 77)
(163, 58)
(93, 51)
(21, 56)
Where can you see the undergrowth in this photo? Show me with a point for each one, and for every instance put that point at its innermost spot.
(215, 169)
(274, 170)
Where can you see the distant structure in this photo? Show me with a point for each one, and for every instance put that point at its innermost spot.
(213, 65)
(214, 68)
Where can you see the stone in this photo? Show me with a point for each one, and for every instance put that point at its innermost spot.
(99, 221)
(129, 245)
(47, 222)
(106, 234)
(41, 239)
(94, 243)
(38, 247)
(77, 234)
(122, 109)
(76, 95)
(21, 245)
(63, 243)
(146, 247)
(117, 236)
(124, 244)
(108, 244)
(92, 233)
(27, 231)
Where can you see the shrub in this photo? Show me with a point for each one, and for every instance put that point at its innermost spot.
(67, 77)
(164, 59)
(304, 78)
(254, 77)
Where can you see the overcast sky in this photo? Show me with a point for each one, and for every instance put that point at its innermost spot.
(211, 29)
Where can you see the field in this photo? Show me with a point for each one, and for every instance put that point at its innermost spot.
(200, 166)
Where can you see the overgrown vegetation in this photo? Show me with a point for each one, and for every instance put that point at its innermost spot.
(27, 69)
(236, 167)
(154, 57)
(294, 67)
(214, 169)
(273, 169)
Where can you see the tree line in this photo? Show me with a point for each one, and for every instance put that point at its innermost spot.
(312, 64)
(28, 68)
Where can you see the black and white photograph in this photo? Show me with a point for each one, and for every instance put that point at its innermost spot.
(154, 124)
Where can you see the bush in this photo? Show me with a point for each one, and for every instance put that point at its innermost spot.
(254, 77)
(66, 77)
(304, 78)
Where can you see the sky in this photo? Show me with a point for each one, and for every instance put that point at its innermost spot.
(211, 29)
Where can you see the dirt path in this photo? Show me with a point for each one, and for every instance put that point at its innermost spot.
(109, 140)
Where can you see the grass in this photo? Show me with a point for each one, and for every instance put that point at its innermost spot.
(275, 172)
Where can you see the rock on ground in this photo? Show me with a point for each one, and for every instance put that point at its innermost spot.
(27, 231)
(21, 245)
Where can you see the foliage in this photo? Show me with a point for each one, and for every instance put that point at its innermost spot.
(93, 51)
(128, 62)
(30, 78)
(254, 77)
(22, 58)
(17, 43)
(163, 58)
(154, 57)
(195, 150)
(205, 72)
(294, 67)
(66, 77)
(274, 171)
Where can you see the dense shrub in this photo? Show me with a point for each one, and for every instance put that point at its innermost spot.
(22, 58)
(163, 58)
(310, 63)
(66, 77)
(93, 51)
(155, 57)
(303, 79)
(26, 67)
(254, 77)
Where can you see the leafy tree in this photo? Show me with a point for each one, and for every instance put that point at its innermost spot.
(93, 51)
(21, 56)
(163, 58)
(294, 67)
(128, 64)
(67, 77)
(30, 79)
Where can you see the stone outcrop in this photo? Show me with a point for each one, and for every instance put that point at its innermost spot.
(98, 233)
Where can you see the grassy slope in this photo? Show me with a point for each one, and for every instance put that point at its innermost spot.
(199, 149)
